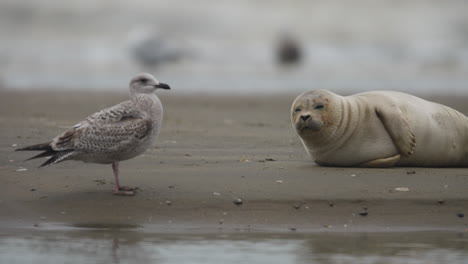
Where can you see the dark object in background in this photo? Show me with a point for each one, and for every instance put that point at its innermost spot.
(289, 51)
(155, 50)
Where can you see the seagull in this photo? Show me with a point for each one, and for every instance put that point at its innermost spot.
(114, 134)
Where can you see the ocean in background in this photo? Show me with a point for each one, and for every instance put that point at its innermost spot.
(231, 46)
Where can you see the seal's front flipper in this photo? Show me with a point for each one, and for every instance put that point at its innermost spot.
(382, 163)
(398, 128)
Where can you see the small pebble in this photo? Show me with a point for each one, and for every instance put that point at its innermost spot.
(353, 175)
(14, 145)
(279, 181)
(364, 212)
(441, 202)
(293, 229)
(238, 201)
(331, 204)
(216, 193)
(297, 206)
(100, 182)
(168, 202)
(411, 172)
(461, 215)
(270, 159)
(402, 189)
(171, 186)
(21, 169)
(33, 190)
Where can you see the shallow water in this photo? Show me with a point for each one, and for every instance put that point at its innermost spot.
(114, 245)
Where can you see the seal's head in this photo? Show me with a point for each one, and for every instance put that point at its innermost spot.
(315, 112)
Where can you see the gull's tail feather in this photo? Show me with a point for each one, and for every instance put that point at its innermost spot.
(48, 151)
(55, 156)
(42, 146)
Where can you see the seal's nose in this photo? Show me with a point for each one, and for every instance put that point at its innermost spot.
(305, 117)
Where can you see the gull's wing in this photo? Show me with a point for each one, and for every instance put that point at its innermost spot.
(112, 129)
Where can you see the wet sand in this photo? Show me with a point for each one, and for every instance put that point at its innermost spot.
(211, 151)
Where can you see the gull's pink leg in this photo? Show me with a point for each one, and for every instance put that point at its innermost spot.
(117, 189)
(115, 168)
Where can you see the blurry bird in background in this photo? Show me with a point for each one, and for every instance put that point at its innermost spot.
(288, 51)
(150, 48)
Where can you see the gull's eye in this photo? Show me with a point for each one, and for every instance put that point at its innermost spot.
(143, 80)
(297, 110)
(320, 106)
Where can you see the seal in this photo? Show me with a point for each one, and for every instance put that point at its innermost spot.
(379, 129)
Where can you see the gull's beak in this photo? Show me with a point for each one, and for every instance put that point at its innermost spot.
(163, 86)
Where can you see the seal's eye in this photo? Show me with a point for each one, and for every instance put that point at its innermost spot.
(297, 110)
(320, 106)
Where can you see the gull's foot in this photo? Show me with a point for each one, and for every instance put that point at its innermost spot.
(126, 188)
(124, 193)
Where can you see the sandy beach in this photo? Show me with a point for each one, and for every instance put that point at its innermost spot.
(213, 150)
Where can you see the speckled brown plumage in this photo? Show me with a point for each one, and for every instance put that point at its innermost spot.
(113, 129)
(114, 134)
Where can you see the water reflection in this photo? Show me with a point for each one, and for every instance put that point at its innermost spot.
(106, 226)
(126, 246)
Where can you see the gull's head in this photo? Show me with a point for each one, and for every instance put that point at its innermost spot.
(146, 83)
